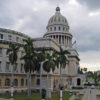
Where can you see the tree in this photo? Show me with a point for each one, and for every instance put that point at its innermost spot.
(85, 70)
(49, 65)
(29, 59)
(96, 78)
(61, 62)
(40, 59)
(12, 51)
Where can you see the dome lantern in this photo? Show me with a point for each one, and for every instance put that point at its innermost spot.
(57, 8)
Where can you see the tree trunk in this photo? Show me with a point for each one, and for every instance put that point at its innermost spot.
(47, 86)
(12, 84)
(28, 85)
(60, 84)
(41, 63)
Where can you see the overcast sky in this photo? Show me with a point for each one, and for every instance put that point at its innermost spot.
(31, 17)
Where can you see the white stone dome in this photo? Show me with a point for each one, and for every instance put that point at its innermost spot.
(58, 19)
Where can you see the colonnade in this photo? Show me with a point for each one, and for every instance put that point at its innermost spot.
(61, 39)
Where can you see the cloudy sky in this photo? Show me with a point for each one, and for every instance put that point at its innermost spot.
(31, 18)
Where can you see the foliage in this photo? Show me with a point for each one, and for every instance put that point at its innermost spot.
(94, 76)
(29, 56)
(80, 70)
(50, 63)
(61, 59)
(12, 51)
(40, 57)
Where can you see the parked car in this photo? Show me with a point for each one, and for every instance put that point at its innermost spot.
(92, 87)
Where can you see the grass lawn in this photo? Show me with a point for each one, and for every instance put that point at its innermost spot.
(35, 96)
(98, 97)
(79, 97)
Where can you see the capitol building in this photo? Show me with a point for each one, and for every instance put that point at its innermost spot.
(58, 34)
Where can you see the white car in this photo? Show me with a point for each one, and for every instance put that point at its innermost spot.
(92, 87)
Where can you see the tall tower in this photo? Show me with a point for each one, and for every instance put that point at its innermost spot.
(58, 30)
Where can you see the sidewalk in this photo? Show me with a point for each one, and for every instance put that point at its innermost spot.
(90, 95)
(72, 98)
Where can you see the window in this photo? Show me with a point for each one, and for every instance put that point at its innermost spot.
(17, 39)
(63, 28)
(22, 53)
(9, 37)
(1, 36)
(38, 82)
(0, 67)
(55, 19)
(15, 82)
(26, 82)
(51, 29)
(21, 69)
(59, 28)
(7, 53)
(7, 82)
(54, 28)
(15, 67)
(7, 67)
(59, 19)
(0, 82)
(0, 51)
(22, 82)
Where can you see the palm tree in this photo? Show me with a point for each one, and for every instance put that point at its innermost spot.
(12, 51)
(85, 70)
(61, 62)
(49, 65)
(40, 58)
(29, 59)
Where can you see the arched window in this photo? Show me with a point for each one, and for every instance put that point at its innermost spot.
(22, 82)
(38, 82)
(59, 28)
(15, 82)
(7, 82)
(54, 28)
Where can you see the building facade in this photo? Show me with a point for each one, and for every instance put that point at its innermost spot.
(57, 35)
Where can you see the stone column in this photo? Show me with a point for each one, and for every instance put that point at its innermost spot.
(67, 41)
(64, 40)
(61, 39)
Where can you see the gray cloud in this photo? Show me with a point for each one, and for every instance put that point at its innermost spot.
(31, 18)
(91, 4)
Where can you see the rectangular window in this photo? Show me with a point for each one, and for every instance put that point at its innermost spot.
(9, 37)
(22, 54)
(1, 36)
(7, 67)
(21, 69)
(0, 51)
(17, 39)
(15, 67)
(7, 53)
(0, 67)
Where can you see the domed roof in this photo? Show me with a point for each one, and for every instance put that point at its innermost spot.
(58, 18)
